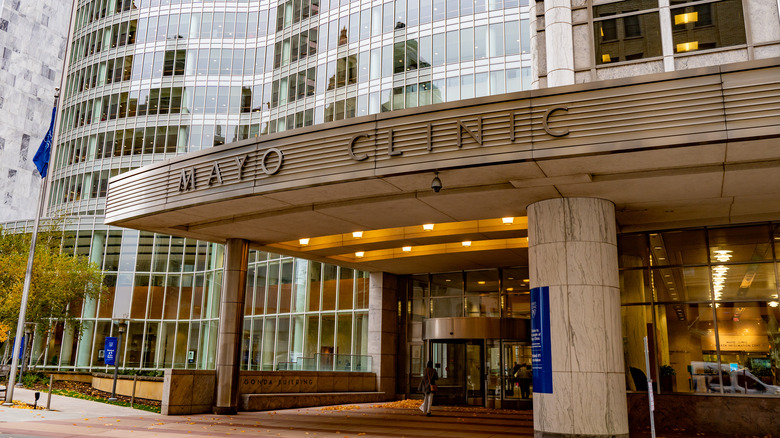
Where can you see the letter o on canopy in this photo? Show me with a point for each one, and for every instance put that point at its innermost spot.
(264, 159)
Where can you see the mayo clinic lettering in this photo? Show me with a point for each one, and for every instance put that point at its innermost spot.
(188, 179)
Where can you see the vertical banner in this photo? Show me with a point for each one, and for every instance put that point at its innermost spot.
(21, 349)
(541, 360)
(110, 350)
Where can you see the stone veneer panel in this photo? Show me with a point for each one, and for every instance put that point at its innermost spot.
(383, 330)
(188, 391)
(30, 69)
(573, 251)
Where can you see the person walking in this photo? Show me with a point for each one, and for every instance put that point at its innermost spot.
(524, 380)
(428, 387)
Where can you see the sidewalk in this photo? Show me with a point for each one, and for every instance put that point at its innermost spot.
(82, 418)
(63, 408)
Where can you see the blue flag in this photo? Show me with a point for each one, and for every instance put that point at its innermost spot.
(41, 158)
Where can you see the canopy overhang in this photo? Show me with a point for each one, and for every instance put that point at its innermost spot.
(698, 147)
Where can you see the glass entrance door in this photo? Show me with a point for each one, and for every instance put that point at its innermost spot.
(460, 365)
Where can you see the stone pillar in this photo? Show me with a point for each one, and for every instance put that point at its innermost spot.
(572, 245)
(383, 330)
(558, 43)
(231, 319)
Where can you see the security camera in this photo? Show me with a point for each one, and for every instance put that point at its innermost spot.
(436, 183)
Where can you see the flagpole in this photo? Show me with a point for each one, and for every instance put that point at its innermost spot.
(9, 387)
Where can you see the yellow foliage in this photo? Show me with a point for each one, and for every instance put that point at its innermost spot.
(4, 329)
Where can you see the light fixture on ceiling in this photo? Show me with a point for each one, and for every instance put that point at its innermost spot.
(722, 255)
(773, 304)
(466, 243)
(687, 47)
(690, 17)
(436, 183)
(304, 241)
(357, 234)
(481, 282)
(508, 220)
(407, 249)
(510, 289)
(360, 254)
(428, 227)
(526, 280)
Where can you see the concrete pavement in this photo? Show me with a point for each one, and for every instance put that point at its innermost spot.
(81, 418)
(72, 417)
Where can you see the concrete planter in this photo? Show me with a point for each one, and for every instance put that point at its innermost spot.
(145, 387)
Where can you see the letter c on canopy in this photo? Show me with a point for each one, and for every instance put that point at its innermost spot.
(546, 120)
(352, 148)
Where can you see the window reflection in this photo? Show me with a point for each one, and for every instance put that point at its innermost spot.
(707, 26)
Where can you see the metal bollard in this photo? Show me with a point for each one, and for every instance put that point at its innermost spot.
(48, 399)
(132, 397)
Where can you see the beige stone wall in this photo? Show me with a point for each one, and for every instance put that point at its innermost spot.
(282, 382)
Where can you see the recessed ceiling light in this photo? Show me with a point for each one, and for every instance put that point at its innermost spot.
(407, 249)
(357, 234)
(526, 281)
(428, 227)
(508, 220)
(304, 241)
(466, 243)
(360, 254)
(480, 282)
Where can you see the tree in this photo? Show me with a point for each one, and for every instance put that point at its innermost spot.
(58, 281)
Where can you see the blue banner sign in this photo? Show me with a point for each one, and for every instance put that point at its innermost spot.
(21, 349)
(541, 360)
(110, 351)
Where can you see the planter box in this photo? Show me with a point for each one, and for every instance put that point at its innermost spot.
(145, 387)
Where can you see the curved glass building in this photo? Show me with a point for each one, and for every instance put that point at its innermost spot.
(150, 79)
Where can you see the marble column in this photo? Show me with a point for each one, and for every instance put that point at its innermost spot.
(383, 330)
(231, 320)
(667, 44)
(559, 43)
(572, 245)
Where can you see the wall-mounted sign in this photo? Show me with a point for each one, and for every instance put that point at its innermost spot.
(541, 360)
(755, 344)
(110, 350)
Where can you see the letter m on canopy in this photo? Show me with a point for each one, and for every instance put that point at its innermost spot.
(187, 179)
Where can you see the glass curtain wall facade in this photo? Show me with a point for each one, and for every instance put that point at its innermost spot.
(708, 300)
(299, 314)
(149, 79)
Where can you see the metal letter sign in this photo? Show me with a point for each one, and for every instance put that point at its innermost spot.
(110, 351)
(540, 340)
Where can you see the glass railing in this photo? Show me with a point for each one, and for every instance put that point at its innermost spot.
(328, 362)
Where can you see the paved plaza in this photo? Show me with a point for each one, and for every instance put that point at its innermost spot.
(79, 418)
(72, 417)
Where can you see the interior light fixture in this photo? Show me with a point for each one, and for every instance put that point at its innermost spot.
(605, 58)
(428, 227)
(466, 243)
(687, 47)
(407, 249)
(526, 281)
(481, 282)
(722, 255)
(508, 220)
(690, 17)
(304, 241)
(360, 254)
(357, 234)
(773, 304)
